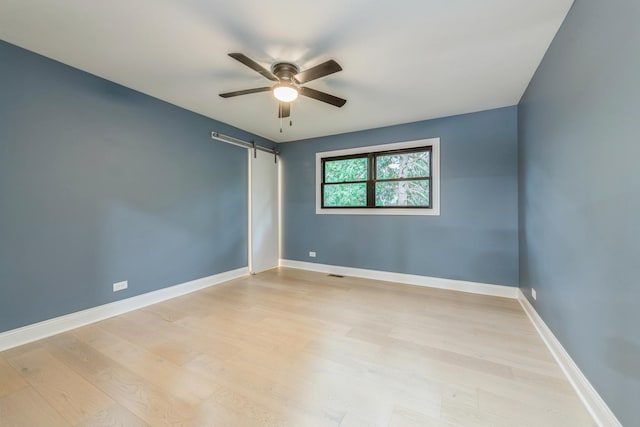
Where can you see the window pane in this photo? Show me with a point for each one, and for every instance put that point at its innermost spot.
(402, 193)
(347, 195)
(407, 165)
(345, 170)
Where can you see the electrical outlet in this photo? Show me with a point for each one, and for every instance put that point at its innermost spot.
(534, 294)
(120, 286)
(312, 254)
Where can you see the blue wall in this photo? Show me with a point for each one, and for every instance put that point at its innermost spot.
(475, 238)
(579, 151)
(99, 184)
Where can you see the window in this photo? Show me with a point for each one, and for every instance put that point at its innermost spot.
(396, 179)
(385, 179)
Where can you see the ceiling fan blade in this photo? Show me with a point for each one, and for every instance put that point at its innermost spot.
(284, 110)
(322, 96)
(253, 65)
(245, 92)
(318, 71)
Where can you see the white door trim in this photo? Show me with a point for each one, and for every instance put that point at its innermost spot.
(250, 212)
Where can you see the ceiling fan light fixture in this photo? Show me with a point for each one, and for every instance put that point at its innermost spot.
(285, 92)
(289, 81)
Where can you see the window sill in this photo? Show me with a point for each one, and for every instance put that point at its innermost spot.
(399, 211)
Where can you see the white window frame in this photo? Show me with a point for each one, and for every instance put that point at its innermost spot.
(434, 210)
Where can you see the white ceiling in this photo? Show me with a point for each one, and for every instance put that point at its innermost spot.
(403, 60)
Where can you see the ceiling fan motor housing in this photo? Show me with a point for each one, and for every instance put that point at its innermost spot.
(285, 71)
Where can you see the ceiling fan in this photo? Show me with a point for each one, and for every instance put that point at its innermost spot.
(289, 79)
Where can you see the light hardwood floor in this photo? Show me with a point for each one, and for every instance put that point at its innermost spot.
(295, 348)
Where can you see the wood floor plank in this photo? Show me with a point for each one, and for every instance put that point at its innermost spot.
(10, 380)
(156, 406)
(27, 408)
(559, 412)
(434, 353)
(189, 388)
(113, 416)
(265, 379)
(403, 417)
(72, 396)
(268, 382)
(294, 348)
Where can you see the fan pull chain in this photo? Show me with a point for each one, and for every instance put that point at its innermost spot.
(280, 116)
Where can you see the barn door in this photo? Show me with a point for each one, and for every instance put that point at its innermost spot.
(263, 212)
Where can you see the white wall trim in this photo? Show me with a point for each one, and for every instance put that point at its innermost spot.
(47, 328)
(279, 207)
(249, 213)
(596, 406)
(410, 279)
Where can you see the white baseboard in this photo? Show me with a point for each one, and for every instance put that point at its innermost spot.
(410, 279)
(37, 331)
(596, 406)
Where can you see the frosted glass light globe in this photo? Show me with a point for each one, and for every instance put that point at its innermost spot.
(285, 92)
